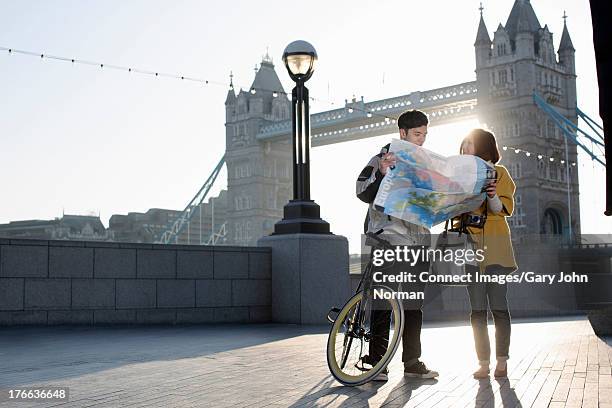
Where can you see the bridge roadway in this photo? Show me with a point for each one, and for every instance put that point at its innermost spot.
(359, 119)
(554, 363)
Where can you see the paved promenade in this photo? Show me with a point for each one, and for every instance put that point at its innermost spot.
(557, 363)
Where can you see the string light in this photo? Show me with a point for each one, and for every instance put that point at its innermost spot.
(253, 90)
(109, 66)
(539, 156)
(157, 74)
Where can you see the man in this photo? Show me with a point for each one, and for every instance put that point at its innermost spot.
(412, 128)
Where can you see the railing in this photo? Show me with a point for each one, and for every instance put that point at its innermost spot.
(356, 114)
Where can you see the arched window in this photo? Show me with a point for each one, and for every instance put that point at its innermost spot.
(238, 233)
(247, 231)
(552, 223)
(550, 128)
(541, 169)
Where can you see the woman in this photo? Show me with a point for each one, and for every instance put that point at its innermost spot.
(494, 238)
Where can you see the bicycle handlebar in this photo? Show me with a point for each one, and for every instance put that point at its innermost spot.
(384, 243)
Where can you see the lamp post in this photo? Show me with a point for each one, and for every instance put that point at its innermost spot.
(300, 215)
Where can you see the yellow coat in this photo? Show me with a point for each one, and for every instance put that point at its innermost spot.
(494, 238)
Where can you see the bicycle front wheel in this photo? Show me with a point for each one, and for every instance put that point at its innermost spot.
(355, 328)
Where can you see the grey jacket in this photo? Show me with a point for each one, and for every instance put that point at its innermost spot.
(394, 230)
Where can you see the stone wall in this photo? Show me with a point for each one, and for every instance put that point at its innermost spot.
(74, 282)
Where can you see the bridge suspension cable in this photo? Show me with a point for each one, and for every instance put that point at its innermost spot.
(176, 227)
(217, 235)
(565, 124)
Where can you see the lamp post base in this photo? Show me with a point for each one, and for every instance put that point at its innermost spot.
(301, 217)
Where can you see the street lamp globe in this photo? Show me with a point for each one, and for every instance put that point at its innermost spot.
(299, 58)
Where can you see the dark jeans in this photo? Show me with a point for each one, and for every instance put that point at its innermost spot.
(413, 315)
(493, 294)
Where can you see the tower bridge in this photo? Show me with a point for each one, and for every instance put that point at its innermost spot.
(517, 62)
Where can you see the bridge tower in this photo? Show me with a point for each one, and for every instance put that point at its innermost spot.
(519, 61)
(258, 173)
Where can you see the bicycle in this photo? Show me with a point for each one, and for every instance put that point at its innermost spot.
(351, 331)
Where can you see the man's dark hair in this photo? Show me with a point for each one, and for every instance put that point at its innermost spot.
(412, 119)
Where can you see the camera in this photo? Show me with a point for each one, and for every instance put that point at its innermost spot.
(474, 220)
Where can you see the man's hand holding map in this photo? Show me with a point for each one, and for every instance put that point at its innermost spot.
(426, 188)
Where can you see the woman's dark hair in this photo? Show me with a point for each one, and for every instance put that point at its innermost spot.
(412, 119)
(485, 145)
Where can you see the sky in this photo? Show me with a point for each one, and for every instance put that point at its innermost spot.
(82, 140)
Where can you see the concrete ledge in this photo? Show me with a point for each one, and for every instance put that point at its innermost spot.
(61, 243)
(114, 263)
(135, 246)
(260, 265)
(30, 242)
(97, 244)
(155, 264)
(194, 264)
(310, 275)
(231, 264)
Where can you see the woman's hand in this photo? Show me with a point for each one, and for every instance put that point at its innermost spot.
(388, 160)
(491, 189)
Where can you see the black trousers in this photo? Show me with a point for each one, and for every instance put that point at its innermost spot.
(413, 315)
